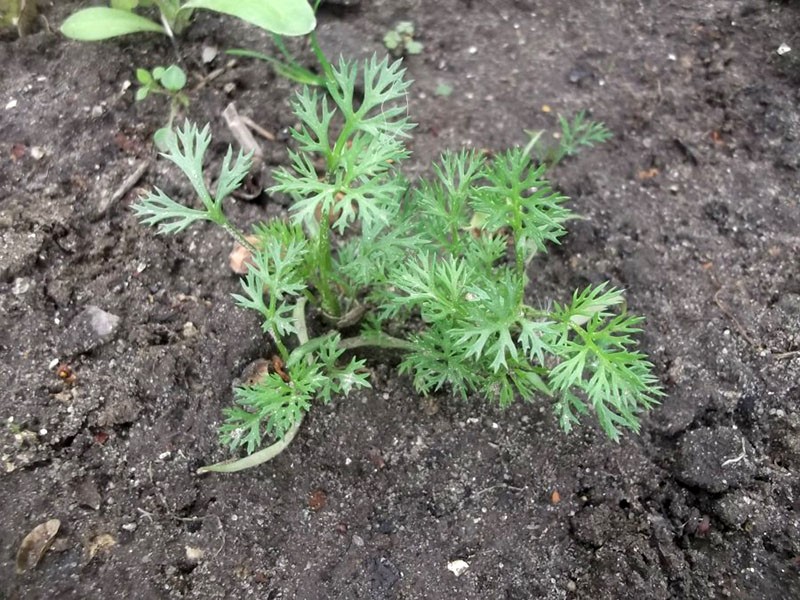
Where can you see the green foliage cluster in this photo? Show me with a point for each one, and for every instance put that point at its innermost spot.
(166, 81)
(436, 269)
(283, 17)
(400, 40)
(578, 133)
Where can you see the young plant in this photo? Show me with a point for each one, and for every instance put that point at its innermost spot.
(167, 81)
(437, 270)
(576, 134)
(400, 41)
(284, 17)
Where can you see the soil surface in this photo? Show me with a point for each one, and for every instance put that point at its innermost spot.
(118, 347)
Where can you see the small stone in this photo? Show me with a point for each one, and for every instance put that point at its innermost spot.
(194, 555)
(208, 54)
(189, 330)
(457, 567)
(91, 328)
(21, 285)
(37, 153)
(358, 541)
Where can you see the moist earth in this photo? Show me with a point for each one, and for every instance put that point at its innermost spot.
(118, 347)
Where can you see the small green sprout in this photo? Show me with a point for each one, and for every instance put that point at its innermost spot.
(167, 81)
(443, 89)
(576, 134)
(284, 17)
(436, 270)
(400, 40)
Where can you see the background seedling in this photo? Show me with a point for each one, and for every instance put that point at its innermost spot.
(168, 81)
(400, 40)
(576, 134)
(437, 270)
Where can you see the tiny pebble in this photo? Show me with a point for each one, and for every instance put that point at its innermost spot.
(21, 285)
(11, 104)
(472, 50)
(457, 567)
(358, 541)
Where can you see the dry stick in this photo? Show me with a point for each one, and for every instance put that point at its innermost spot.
(275, 449)
(126, 185)
(239, 130)
(727, 312)
(267, 135)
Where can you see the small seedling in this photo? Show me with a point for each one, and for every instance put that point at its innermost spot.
(443, 90)
(437, 270)
(284, 17)
(576, 134)
(400, 40)
(167, 81)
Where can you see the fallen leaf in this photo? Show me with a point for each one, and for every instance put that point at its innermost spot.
(241, 256)
(35, 544)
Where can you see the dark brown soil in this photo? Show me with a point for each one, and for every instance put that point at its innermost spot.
(692, 207)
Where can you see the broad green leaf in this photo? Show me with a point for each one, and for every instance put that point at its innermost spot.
(101, 23)
(142, 93)
(284, 17)
(173, 78)
(124, 4)
(144, 77)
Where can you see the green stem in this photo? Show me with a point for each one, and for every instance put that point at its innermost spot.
(325, 266)
(380, 340)
(236, 234)
(323, 60)
(270, 452)
(255, 459)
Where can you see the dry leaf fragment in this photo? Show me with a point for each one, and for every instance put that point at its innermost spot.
(99, 543)
(35, 544)
(240, 256)
(555, 497)
(646, 174)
